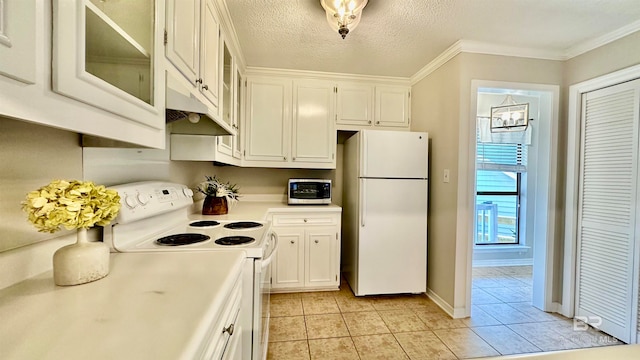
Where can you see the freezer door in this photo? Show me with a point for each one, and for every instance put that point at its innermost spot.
(394, 154)
(392, 246)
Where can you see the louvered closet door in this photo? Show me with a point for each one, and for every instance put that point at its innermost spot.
(606, 236)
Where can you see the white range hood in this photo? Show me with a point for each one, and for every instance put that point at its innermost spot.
(188, 115)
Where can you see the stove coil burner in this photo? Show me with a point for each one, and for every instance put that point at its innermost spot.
(182, 239)
(234, 240)
(243, 225)
(204, 223)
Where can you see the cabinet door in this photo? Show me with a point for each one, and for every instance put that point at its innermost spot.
(210, 54)
(183, 37)
(288, 271)
(314, 135)
(18, 40)
(355, 104)
(392, 106)
(269, 119)
(320, 257)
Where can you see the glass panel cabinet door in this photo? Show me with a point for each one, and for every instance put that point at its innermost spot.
(111, 63)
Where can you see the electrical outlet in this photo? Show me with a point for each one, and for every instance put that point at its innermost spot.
(445, 178)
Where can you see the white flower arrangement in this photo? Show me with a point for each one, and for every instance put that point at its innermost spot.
(73, 204)
(216, 188)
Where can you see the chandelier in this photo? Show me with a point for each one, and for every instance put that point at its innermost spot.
(343, 15)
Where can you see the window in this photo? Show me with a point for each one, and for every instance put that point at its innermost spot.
(499, 169)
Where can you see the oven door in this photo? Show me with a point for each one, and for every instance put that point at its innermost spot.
(263, 314)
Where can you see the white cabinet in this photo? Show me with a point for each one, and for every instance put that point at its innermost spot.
(392, 106)
(268, 125)
(314, 134)
(17, 40)
(308, 256)
(225, 335)
(290, 123)
(355, 104)
(192, 44)
(288, 270)
(112, 63)
(366, 106)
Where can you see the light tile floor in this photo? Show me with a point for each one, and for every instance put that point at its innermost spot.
(338, 325)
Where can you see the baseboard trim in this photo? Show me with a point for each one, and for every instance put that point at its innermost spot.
(456, 313)
(502, 262)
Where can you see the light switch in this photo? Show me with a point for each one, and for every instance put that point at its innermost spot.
(445, 178)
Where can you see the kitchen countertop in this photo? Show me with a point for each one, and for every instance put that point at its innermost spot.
(258, 210)
(144, 309)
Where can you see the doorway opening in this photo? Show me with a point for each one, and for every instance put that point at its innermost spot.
(513, 191)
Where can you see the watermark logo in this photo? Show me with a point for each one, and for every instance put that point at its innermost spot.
(582, 323)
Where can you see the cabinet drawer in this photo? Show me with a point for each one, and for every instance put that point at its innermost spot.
(304, 219)
(225, 325)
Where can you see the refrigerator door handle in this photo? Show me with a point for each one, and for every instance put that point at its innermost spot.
(362, 202)
(363, 152)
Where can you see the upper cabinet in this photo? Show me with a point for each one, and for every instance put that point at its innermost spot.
(290, 123)
(355, 104)
(112, 62)
(392, 106)
(364, 106)
(193, 45)
(314, 134)
(17, 40)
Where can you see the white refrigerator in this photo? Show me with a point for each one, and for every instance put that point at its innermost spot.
(384, 239)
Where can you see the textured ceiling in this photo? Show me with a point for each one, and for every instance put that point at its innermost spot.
(399, 37)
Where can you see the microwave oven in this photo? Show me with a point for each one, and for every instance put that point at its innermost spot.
(309, 191)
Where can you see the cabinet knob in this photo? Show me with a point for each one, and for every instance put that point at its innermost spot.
(285, 158)
(369, 121)
(293, 242)
(198, 81)
(206, 87)
(316, 241)
(377, 122)
(305, 220)
(293, 158)
(228, 330)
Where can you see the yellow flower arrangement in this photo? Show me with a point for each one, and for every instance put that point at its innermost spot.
(73, 204)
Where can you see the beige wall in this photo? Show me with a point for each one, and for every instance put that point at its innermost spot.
(274, 181)
(441, 105)
(435, 104)
(31, 156)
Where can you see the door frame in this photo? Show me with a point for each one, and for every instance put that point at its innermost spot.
(572, 183)
(543, 256)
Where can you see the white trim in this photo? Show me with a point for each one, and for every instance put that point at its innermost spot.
(436, 63)
(573, 174)
(446, 307)
(605, 39)
(482, 249)
(502, 262)
(495, 49)
(387, 80)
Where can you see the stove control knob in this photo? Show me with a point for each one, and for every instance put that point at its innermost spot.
(143, 199)
(187, 192)
(130, 201)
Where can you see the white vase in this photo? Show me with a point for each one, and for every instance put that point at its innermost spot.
(81, 262)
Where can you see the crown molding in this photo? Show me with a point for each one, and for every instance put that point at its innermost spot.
(478, 47)
(602, 40)
(436, 63)
(261, 71)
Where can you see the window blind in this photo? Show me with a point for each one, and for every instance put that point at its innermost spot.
(500, 157)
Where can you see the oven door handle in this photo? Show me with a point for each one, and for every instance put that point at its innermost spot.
(267, 261)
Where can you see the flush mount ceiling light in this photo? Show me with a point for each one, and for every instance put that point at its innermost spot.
(343, 15)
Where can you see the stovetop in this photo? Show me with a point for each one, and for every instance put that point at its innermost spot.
(155, 210)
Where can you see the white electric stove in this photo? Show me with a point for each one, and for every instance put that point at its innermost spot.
(154, 217)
